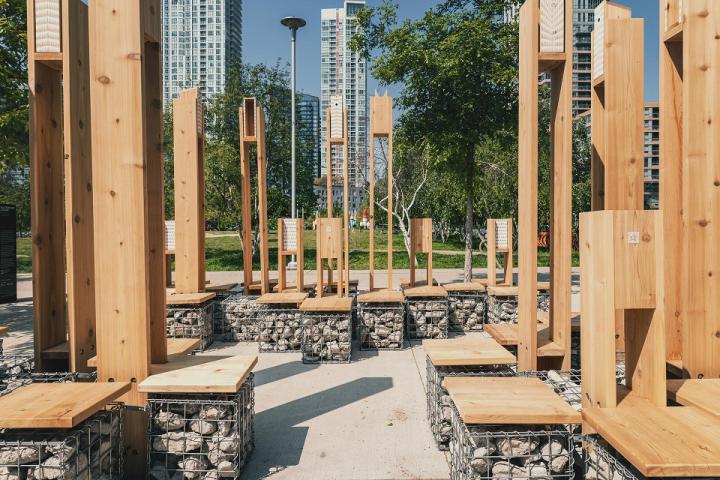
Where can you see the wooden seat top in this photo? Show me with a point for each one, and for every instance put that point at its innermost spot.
(57, 405)
(287, 298)
(405, 283)
(327, 304)
(256, 287)
(465, 287)
(503, 291)
(225, 375)
(381, 296)
(292, 288)
(220, 287)
(508, 401)
(189, 298)
(703, 394)
(661, 441)
(422, 292)
(461, 351)
(543, 285)
(4, 330)
(544, 317)
(175, 346)
(60, 351)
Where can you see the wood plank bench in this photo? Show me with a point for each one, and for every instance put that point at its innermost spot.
(463, 351)
(381, 296)
(189, 298)
(425, 292)
(287, 298)
(508, 401)
(661, 441)
(703, 394)
(57, 405)
(327, 304)
(223, 375)
(175, 347)
(221, 287)
(474, 286)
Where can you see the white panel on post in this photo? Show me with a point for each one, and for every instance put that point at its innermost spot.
(289, 234)
(336, 116)
(47, 26)
(599, 42)
(169, 235)
(552, 26)
(501, 234)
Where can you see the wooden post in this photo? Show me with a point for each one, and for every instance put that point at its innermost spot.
(546, 35)
(381, 127)
(421, 231)
(126, 108)
(189, 148)
(621, 260)
(290, 242)
(329, 245)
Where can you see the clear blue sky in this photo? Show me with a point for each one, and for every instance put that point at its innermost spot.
(266, 41)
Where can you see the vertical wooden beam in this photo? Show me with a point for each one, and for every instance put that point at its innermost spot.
(528, 186)
(371, 193)
(300, 253)
(262, 201)
(701, 188)
(508, 256)
(46, 197)
(282, 268)
(389, 175)
(346, 203)
(189, 178)
(491, 252)
(671, 187)
(329, 168)
(245, 201)
(561, 198)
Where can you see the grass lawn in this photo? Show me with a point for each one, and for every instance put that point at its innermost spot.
(223, 253)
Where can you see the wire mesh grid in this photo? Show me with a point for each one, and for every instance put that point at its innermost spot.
(326, 337)
(602, 462)
(191, 321)
(12, 369)
(207, 436)
(90, 451)
(566, 383)
(280, 329)
(427, 318)
(439, 404)
(502, 309)
(467, 311)
(543, 300)
(219, 311)
(380, 326)
(239, 319)
(487, 452)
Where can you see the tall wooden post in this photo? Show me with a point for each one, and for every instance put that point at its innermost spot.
(545, 46)
(381, 127)
(421, 236)
(189, 142)
(126, 106)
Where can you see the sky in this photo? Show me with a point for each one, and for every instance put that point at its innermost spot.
(265, 40)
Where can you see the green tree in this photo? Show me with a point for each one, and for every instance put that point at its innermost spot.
(458, 68)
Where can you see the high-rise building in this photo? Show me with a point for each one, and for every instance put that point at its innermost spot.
(652, 155)
(200, 40)
(343, 72)
(308, 118)
(583, 20)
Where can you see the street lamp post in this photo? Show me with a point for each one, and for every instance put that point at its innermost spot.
(294, 24)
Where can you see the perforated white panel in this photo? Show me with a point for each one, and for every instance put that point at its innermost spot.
(47, 26)
(599, 42)
(336, 116)
(289, 234)
(501, 233)
(169, 235)
(552, 26)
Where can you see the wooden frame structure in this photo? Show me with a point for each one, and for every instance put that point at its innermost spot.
(546, 39)
(689, 85)
(500, 241)
(329, 247)
(421, 238)
(126, 107)
(189, 149)
(252, 132)
(381, 126)
(61, 183)
(291, 238)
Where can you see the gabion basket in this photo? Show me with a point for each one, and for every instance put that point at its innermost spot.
(543, 300)
(219, 311)
(192, 321)
(602, 462)
(467, 311)
(427, 318)
(12, 369)
(90, 451)
(380, 326)
(566, 383)
(239, 319)
(326, 337)
(504, 308)
(200, 436)
(280, 329)
(439, 404)
(488, 452)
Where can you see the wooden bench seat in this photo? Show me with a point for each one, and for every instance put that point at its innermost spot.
(220, 287)
(661, 441)
(286, 298)
(508, 401)
(381, 296)
(465, 287)
(327, 304)
(503, 291)
(57, 405)
(308, 287)
(175, 347)
(703, 394)
(219, 375)
(189, 298)
(425, 292)
(463, 351)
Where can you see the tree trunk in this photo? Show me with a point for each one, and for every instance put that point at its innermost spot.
(469, 214)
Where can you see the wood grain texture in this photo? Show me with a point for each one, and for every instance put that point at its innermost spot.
(57, 405)
(381, 296)
(421, 231)
(465, 287)
(508, 401)
(175, 347)
(430, 292)
(190, 298)
(327, 304)
(246, 191)
(221, 376)
(703, 394)
(290, 298)
(473, 351)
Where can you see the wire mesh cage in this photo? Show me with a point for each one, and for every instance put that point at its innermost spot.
(502, 309)
(90, 451)
(439, 404)
(380, 326)
(239, 319)
(566, 383)
(326, 337)
(12, 369)
(602, 462)
(192, 321)
(467, 311)
(543, 300)
(488, 452)
(219, 311)
(280, 328)
(200, 436)
(427, 318)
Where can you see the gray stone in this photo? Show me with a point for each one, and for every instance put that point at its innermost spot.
(177, 442)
